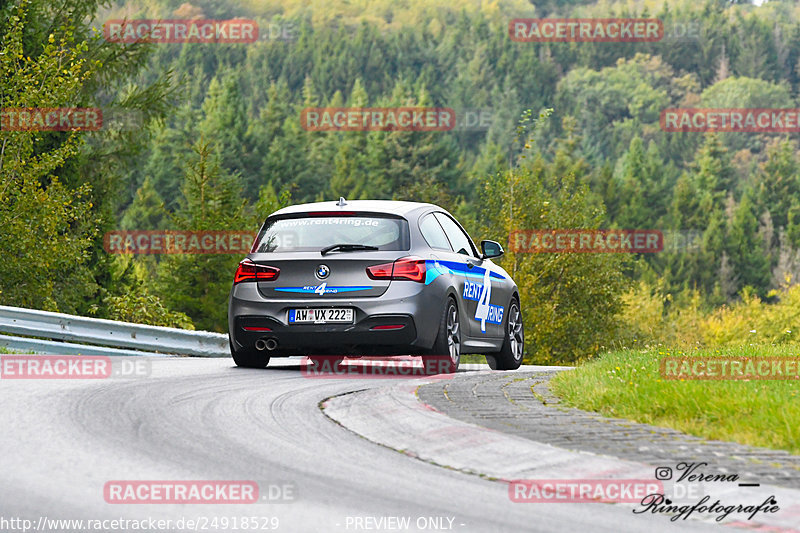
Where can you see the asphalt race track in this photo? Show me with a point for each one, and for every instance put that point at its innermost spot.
(204, 419)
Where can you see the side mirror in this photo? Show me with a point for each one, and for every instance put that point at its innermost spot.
(491, 249)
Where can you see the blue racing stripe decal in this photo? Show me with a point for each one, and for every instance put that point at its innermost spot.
(434, 269)
(321, 289)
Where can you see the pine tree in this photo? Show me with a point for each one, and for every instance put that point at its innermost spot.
(171, 146)
(418, 165)
(779, 181)
(198, 284)
(634, 187)
(225, 121)
(746, 249)
(713, 172)
(267, 129)
(146, 212)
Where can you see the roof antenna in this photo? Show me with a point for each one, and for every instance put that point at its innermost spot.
(342, 202)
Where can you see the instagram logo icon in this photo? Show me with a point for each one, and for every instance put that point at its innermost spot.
(663, 473)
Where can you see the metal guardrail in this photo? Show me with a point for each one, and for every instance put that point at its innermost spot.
(133, 339)
(27, 345)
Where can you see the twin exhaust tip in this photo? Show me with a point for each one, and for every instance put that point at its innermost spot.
(266, 344)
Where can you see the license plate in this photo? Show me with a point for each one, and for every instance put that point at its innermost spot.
(320, 316)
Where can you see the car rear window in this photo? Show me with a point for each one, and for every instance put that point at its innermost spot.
(312, 233)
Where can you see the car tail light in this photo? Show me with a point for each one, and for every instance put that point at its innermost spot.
(410, 268)
(383, 271)
(407, 268)
(249, 271)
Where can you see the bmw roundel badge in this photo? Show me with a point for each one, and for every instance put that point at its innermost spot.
(323, 271)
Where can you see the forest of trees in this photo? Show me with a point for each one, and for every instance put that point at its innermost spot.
(573, 140)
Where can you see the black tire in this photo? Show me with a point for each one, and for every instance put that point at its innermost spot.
(248, 358)
(445, 355)
(510, 355)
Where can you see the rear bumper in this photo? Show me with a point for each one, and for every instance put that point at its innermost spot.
(399, 306)
(356, 339)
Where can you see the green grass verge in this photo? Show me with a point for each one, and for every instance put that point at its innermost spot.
(473, 358)
(628, 384)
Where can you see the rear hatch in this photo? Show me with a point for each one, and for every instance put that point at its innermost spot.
(295, 244)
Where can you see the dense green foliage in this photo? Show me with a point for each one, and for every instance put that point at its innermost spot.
(59, 191)
(222, 146)
(46, 226)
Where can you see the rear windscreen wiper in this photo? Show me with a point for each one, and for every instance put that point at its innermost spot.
(346, 248)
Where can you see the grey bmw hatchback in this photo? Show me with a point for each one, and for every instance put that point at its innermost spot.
(363, 277)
